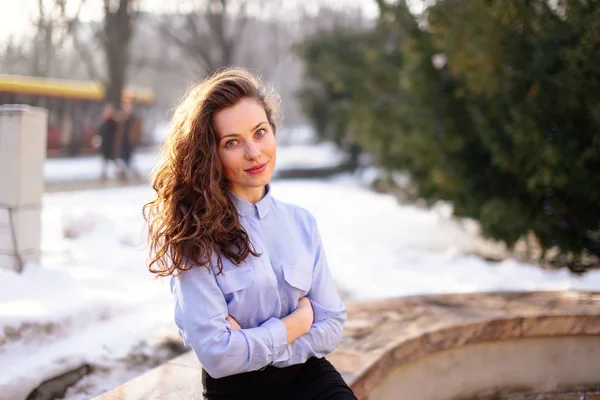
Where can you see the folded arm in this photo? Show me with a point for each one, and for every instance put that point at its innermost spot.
(201, 316)
(329, 314)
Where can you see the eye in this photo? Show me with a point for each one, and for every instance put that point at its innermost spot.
(230, 143)
(260, 133)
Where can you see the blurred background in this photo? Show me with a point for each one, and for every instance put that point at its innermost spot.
(443, 146)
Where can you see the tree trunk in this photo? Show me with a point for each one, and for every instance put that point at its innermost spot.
(117, 36)
(116, 63)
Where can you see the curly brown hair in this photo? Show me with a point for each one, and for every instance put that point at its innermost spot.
(192, 216)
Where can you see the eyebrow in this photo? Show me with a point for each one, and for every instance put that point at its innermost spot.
(237, 134)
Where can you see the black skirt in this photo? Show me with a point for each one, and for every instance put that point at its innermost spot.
(316, 379)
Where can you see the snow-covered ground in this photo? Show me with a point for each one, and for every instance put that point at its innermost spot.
(92, 299)
(88, 168)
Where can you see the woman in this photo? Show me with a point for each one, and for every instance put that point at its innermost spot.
(254, 295)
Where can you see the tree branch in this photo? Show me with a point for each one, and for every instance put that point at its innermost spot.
(83, 52)
(192, 46)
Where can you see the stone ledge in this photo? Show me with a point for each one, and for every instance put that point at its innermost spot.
(556, 396)
(384, 334)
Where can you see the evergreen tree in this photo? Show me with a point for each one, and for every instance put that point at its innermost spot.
(508, 129)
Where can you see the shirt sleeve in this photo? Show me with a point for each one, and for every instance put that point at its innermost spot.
(329, 314)
(200, 312)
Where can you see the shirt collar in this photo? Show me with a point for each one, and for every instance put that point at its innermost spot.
(260, 209)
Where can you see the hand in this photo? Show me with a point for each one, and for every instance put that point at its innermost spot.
(305, 308)
(299, 321)
(234, 325)
(304, 302)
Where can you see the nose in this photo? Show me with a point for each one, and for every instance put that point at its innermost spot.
(252, 151)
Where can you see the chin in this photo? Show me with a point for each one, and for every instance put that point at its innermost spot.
(260, 181)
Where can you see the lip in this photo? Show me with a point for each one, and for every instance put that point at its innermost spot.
(257, 170)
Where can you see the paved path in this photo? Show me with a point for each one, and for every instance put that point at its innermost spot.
(88, 184)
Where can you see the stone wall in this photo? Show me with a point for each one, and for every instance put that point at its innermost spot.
(555, 396)
(383, 337)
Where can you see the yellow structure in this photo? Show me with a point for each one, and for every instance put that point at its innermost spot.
(71, 89)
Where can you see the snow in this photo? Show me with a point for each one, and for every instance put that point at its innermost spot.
(92, 299)
(378, 248)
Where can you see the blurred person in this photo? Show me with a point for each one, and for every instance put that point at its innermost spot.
(108, 132)
(130, 135)
(255, 298)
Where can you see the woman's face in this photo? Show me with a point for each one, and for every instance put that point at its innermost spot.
(246, 147)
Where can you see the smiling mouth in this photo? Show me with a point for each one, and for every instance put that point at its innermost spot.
(258, 169)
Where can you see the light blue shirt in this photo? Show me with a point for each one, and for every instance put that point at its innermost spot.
(258, 293)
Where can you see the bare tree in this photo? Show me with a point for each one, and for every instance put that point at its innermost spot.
(85, 46)
(118, 30)
(43, 53)
(221, 33)
(14, 55)
(113, 36)
(208, 34)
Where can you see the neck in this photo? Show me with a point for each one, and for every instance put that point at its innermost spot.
(251, 195)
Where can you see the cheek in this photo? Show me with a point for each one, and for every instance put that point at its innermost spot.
(230, 162)
(271, 146)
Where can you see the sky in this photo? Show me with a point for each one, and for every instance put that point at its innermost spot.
(16, 16)
(13, 18)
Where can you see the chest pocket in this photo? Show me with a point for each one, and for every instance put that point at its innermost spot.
(236, 285)
(235, 279)
(300, 278)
